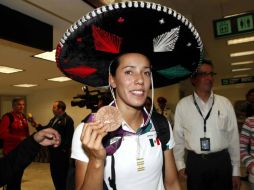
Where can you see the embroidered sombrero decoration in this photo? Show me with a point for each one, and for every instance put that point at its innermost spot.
(166, 37)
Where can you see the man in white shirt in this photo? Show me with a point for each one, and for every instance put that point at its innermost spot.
(205, 125)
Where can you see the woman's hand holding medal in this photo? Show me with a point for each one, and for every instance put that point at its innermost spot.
(107, 119)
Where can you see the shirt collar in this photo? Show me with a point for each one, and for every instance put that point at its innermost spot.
(210, 99)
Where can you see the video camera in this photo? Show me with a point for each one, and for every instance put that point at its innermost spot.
(89, 99)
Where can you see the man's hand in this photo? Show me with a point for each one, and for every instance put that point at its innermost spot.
(47, 137)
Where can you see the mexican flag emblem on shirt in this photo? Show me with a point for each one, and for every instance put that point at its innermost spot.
(154, 142)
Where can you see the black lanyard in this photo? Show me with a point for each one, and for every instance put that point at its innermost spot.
(208, 114)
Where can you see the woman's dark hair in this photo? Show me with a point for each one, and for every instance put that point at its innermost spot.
(113, 66)
(115, 63)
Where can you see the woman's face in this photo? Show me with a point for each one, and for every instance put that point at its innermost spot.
(132, 80)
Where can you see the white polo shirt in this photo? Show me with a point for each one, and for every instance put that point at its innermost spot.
(146, 145)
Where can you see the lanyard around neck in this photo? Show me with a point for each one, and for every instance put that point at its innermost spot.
(208, 114)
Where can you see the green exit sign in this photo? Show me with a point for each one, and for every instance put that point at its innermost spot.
(245, 23)
(223, 27)
(234, 25)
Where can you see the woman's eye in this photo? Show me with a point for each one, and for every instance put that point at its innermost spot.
(148, 73)
(128, 72)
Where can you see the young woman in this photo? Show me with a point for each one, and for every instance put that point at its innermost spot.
(142, 35)
(130, 77)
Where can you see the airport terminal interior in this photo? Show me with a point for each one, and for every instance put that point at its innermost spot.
(226, 28)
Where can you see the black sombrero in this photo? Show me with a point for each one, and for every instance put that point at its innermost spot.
(166, 37)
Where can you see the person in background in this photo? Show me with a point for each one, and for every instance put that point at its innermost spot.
(247, 146)
(23, 154)
(164, 110)
(205, 125)
(13, 130)
(242, 108)
(60, 156)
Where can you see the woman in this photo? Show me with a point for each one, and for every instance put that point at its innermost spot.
(130, 77)
(138, 36)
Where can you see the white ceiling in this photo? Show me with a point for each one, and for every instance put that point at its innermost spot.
(62, 13)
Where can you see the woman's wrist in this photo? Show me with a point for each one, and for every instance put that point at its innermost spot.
(97, 163)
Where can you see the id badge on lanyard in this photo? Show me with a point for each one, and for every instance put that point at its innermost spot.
(204, 142)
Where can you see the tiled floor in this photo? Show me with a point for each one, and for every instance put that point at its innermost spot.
(37, 177)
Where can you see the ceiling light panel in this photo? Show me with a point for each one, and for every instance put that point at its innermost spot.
(243, 53)
(239, 76)
(48, 55)
(241, 40)
(242, 63)
(59, 79)
(25, 85)
(8, 70)
(241, 69)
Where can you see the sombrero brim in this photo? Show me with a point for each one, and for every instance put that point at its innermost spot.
(167, 38)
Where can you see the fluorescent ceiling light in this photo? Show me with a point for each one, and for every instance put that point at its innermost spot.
(25, 85)
(239, 76)
(243, 53)
(8, 70)
(242, 62)
(48, 55)
(241, 40)
(235, 15)
(241, 69)
(59, 79)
